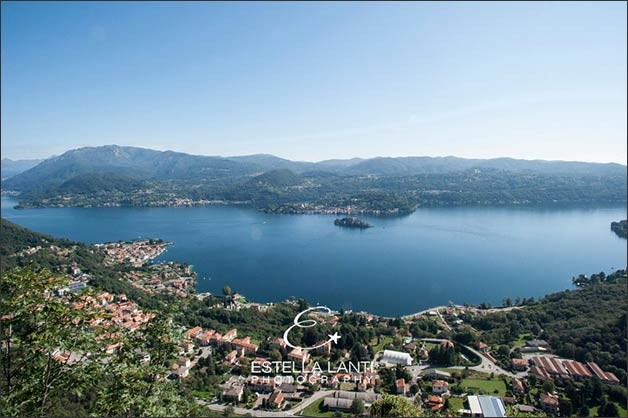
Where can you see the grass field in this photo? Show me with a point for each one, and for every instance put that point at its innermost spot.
(456, 404)
(383, 341)
(488, 386)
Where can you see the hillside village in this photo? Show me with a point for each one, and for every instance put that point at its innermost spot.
(434, 360)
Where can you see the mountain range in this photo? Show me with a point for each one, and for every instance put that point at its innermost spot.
(147, 163)
(111, 170)
(11, 168)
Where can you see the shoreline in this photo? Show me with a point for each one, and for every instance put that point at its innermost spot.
(393, 213)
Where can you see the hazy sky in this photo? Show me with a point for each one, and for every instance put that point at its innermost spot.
(311, 81)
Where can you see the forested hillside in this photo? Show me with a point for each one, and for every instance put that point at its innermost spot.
(14, 239)
(127, 176)
(586, 324)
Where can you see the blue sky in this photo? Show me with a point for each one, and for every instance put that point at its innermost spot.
(312, 81)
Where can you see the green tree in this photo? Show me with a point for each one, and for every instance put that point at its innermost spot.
(275, 355)
(609, 409)
(394, 406)
(447, 404)
(565, 407)
(53, 360)
(226, 290)
(548, 386)
(583, 411)
(35, 326)
(357, 407)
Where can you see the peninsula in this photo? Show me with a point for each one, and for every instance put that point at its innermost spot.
(620, 228)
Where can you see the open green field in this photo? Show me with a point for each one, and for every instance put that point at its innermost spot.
(487, 386)
(456, 404)
(383, 341)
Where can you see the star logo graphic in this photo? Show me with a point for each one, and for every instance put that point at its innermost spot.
(334, 337)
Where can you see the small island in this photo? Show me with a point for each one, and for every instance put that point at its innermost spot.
(352, 223)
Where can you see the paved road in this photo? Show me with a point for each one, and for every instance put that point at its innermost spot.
(486, 365)
(257, 413)
(307, 402)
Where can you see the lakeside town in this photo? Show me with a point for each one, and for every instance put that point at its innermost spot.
(437, 375)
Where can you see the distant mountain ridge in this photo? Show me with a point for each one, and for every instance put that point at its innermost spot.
(120, 175)
(11, 168)
(146, 164)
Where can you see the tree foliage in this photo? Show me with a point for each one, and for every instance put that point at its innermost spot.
(53, 360)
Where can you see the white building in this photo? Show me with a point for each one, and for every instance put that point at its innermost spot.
(396, 357)
(485, 406)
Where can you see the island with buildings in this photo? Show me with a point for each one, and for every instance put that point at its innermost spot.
(351, 222)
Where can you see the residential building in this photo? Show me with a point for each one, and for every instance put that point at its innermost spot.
(440, 387)
(434, 402)
(517, 386)
(229, 335)
(519, 364)
(246, 345)
(278, 343)
(299, 356)
(193, 332)
(549, 402)
(400, 387)
(276, 399)
(261, 385)
(232, 357)
(234, 393)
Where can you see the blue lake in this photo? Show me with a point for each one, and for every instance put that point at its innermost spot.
(402, 265)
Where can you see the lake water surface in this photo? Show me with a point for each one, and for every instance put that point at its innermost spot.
(402, 265)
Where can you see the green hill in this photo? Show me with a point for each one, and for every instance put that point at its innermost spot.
(586, 324)
(277, 178)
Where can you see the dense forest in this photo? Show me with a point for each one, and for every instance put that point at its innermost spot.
(36, 382)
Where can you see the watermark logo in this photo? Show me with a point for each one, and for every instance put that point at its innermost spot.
(309, 323)
(312, 372)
